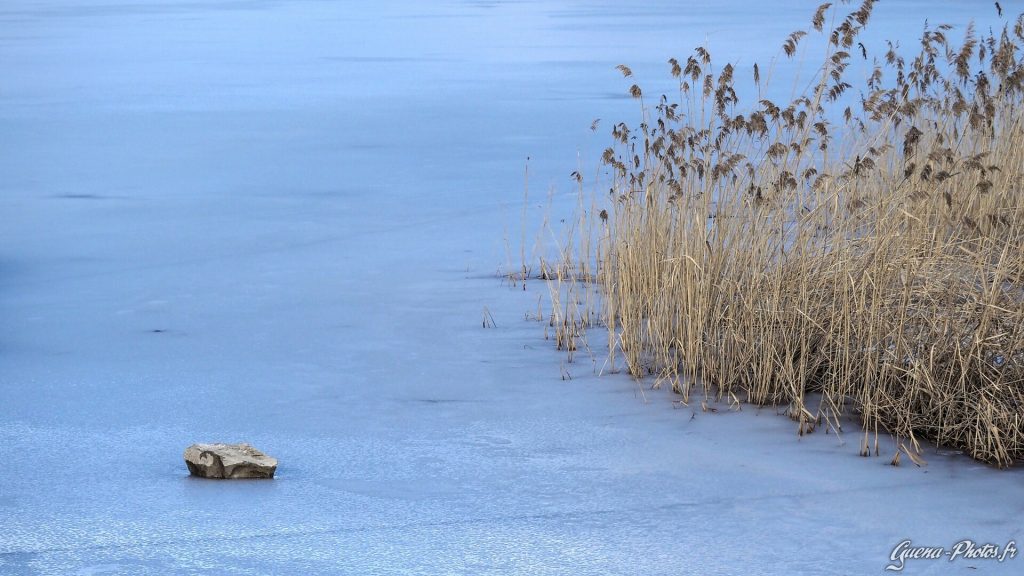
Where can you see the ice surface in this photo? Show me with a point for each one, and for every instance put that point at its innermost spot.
(279, 222)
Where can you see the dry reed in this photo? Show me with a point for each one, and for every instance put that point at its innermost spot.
(864, 250)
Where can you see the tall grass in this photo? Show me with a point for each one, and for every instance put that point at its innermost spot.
(860, 244)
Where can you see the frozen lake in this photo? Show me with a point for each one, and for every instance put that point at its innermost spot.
(280, 221)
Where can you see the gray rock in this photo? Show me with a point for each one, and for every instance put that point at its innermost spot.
(229, 461)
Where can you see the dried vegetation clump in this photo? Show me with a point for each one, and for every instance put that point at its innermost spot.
(858, 245)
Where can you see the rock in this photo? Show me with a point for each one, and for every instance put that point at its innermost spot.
(229, 461)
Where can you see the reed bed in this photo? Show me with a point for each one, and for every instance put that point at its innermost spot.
(859, 245)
